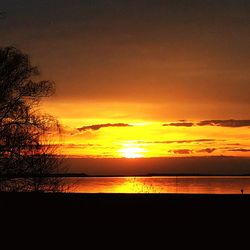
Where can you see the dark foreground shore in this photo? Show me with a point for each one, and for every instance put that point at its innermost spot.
(126, 207)
(127, 218)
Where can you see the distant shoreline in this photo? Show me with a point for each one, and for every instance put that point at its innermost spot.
(67, 175)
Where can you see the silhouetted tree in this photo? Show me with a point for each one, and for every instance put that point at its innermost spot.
(25, 158)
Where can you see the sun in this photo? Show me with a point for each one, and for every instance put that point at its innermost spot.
(132, 152)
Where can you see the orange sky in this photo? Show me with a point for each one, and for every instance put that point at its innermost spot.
(139, 130)
(143, 64)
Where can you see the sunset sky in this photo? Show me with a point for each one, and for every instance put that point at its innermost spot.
(140, 78)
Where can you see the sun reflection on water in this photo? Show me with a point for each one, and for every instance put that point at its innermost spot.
(136, 185)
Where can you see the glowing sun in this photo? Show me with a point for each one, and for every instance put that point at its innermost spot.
(132, 152)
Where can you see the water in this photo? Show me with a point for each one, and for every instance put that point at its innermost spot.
(166, 184)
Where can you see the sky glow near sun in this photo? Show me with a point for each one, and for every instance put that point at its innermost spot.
(132, 152)
(123, 69)
(134, 138)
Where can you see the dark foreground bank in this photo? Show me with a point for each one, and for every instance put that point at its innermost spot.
(125, 207)
(123, 219)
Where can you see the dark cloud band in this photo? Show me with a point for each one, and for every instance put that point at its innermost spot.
(225, 123)
(239, 150)
(177, 141)
(99, 126)
(181, 151)
(179, 124)
(221, 123)
(190, 151)
(206, 150)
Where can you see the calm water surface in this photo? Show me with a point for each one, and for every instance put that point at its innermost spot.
(166, 184)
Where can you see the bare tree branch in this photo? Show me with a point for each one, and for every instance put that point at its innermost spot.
(23, 129)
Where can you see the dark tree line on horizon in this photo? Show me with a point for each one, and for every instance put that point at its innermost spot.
(26, 154)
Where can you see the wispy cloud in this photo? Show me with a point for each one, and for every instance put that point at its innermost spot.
(190, 151)
(206, 150)
(196, 140)
(86, 145)
(225, 123)
(179, 124)
(221, 123)
(181, 151)
(234, 144)
(99, 126)
(177, 141)
(239, 150)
